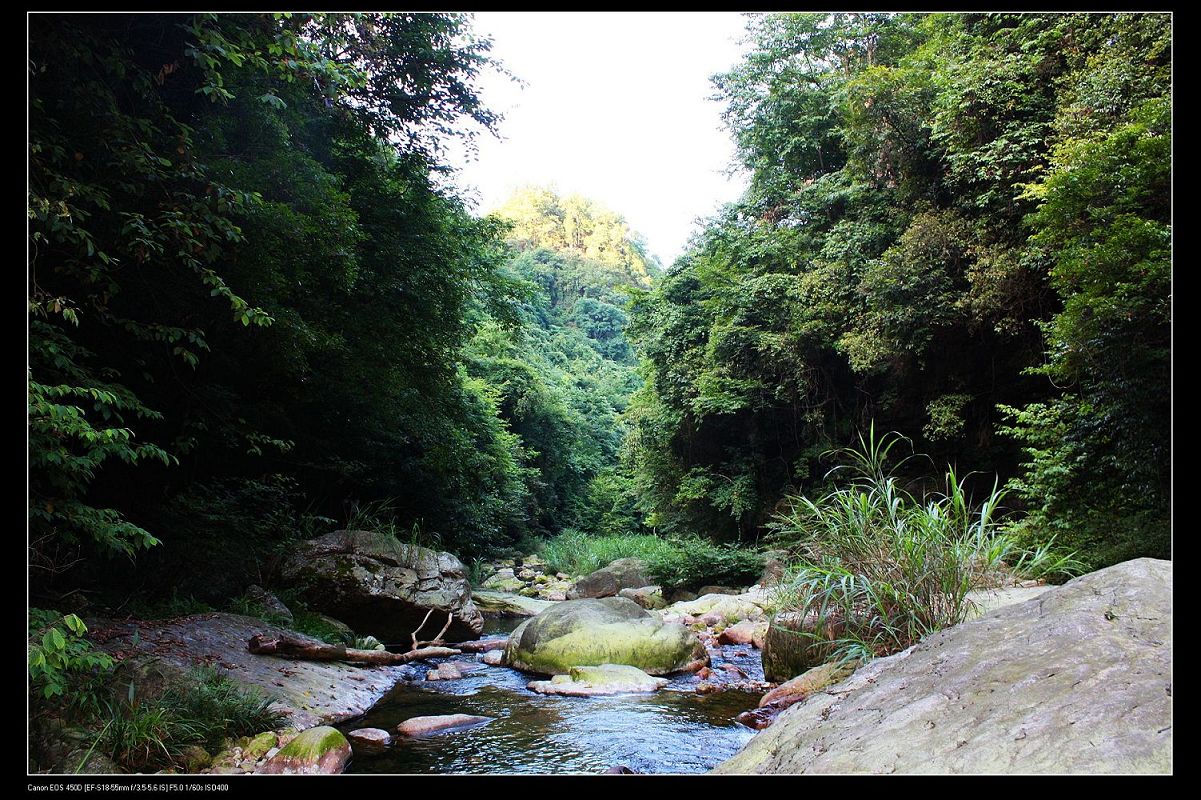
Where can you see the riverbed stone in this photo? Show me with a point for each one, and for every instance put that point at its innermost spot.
(441, 723)
(649, 597)
(1075, 681)
(814, 680)
(380, 585)
(507, 604)
(720, 609)
(318, 751)
(504, 584)
(602, 679)
(624, 573)
(742, 633)
(611, 630)
(369, 741)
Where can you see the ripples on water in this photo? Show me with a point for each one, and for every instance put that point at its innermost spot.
(671, 731)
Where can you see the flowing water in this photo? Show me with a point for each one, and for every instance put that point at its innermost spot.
(674, 730)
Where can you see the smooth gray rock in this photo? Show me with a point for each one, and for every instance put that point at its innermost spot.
(1076, 680)
(160, 653)
(507, 604)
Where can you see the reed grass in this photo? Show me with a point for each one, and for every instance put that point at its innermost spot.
(880, 568)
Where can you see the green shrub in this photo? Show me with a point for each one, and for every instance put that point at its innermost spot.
(676, 563)
(881, 568)
(62, 664)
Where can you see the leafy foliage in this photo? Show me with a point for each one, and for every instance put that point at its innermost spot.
(208, 710)
(953, 223)
(62, 664)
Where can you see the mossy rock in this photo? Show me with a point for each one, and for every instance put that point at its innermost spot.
(317, 751)
(601, 679)
(383, 586)
(195, 758)
(612, 630)
(257, 747)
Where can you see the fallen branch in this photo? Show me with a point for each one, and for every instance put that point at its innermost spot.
(483, 645)
(437, 640)
(305, 650)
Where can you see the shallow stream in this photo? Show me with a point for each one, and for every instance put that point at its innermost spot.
(674, 730)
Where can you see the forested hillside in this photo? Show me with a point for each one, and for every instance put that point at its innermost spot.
(958, 227)
(254, 317)
(292, 395)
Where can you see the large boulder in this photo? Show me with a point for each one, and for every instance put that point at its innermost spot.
(1077, 680)
(384, 587)
(611, 630)
(624, 573)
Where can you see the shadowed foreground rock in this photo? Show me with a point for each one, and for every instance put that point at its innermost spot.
(157, 654)
(1077, 680)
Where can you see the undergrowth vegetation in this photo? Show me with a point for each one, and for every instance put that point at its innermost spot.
(676, 563)
(880, 568)
(141, 735)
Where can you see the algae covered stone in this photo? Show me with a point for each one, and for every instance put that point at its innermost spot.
(317, 751)
(611, 630)
(602, 679)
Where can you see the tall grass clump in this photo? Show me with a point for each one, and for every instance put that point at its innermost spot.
(207, 710)
(881, 568)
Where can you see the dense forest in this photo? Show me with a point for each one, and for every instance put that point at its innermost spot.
(254, 312)
(260, 308)
(255, 308)
(958, 228)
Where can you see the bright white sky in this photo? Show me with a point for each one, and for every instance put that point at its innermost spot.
(616, 108)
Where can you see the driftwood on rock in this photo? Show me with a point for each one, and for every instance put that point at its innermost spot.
(306, 650)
